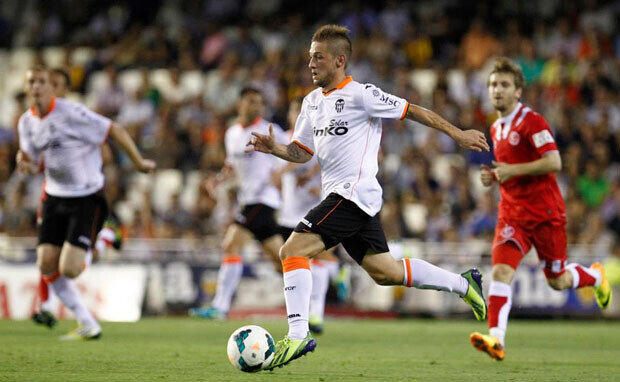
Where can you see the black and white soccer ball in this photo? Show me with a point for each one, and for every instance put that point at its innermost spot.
(250, 348)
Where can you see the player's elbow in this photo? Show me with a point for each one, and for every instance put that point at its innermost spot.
(554, 162)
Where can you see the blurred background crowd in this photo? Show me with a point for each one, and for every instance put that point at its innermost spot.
(171, 74)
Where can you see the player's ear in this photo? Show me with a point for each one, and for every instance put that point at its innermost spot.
(341, 60)
(519, 92)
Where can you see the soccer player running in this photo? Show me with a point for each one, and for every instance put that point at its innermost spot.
(257, 196)
(301, 191)
(63, 138)
(340, 122)
(61, 80)
(531, 210)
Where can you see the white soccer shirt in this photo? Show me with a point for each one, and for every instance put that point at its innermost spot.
(253, 169)
(68, 140)
(343, 127)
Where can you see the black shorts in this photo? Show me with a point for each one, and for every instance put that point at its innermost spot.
(74, 220)
(285, 232)
(260, 220)
(339, 220)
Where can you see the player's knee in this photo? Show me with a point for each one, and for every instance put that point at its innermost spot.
(503, 273)
(70, 271)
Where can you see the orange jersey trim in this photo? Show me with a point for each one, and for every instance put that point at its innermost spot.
(49, 109)
(295, 262)
(341, 85)
(408, 267)
(306, 149)
(232, 259)
(405, 112)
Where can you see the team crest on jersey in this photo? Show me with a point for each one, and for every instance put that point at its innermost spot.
(507, 232)
(339, 105)
(514, 138)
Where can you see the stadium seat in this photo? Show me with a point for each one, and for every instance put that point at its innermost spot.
(192, 82)
(21, 58)
(166, 183)
(160, 78)
(82, 56)
(54, 56)
(424, 80)
(130, 80)
(414, 216)
(189, 193)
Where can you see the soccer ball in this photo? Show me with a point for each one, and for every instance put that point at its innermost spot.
(250, 348)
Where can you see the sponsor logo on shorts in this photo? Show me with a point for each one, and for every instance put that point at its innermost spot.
(290, 287)
(305, 222)
(294, 315)
(84, 240)
(507, 231)
(514, 138)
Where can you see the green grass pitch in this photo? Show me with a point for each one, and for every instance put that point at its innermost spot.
(183, 349)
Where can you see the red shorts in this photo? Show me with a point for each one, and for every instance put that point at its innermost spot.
(548, 238)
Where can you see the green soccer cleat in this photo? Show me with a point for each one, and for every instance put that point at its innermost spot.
(474, 296)
(45, 318)
(82, 333)
(315, 325)
(209, 313)
(603, 291)
(288, 350)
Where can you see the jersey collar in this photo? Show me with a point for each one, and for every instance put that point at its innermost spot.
(33, 110)
(509, 118)
(341, 85)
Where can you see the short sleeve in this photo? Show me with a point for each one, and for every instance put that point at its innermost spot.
(383, 105)
(93, 127)
(540, 136)
(303, 135)
(25, 140)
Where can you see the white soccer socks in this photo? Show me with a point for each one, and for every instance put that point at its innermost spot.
(67, 292)
(227, 281)
(500, 301)
(297, 290)
(423, 275)
(320, 284)
(583, 276)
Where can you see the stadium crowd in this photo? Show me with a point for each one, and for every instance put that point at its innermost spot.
(171, 75)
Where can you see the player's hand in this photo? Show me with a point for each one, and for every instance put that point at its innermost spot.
(472, 140)
(145, 165)
(261, 142)
(503, 171)
(487, 176)
(25, 163)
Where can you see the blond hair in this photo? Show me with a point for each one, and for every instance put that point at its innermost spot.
(506, 65)
(337, 38)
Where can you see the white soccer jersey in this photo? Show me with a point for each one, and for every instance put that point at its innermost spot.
(68, 140)
(253, 169)
(343, 127)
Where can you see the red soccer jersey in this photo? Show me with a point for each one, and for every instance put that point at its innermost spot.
(524, 136)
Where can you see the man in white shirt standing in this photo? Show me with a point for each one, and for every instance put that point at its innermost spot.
(340, 121)
(63, 139)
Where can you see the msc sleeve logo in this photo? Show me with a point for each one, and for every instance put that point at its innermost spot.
(542, 138)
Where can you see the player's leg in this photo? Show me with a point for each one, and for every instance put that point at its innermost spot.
(229, 274)
(85, 221)
(47, 261)
(271, 247)
(509, 246)
(321, 266)
(550, 242)
(295, 254)
(71, 265)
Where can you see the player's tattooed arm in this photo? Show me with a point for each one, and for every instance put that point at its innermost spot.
(267, 144)
(468, 139)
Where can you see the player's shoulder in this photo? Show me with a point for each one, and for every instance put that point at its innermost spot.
(532, 119)
(311, 97)
(25, 117)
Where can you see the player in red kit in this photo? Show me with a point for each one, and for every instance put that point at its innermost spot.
(531, 210)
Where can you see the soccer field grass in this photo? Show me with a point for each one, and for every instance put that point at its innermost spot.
(178, 349)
